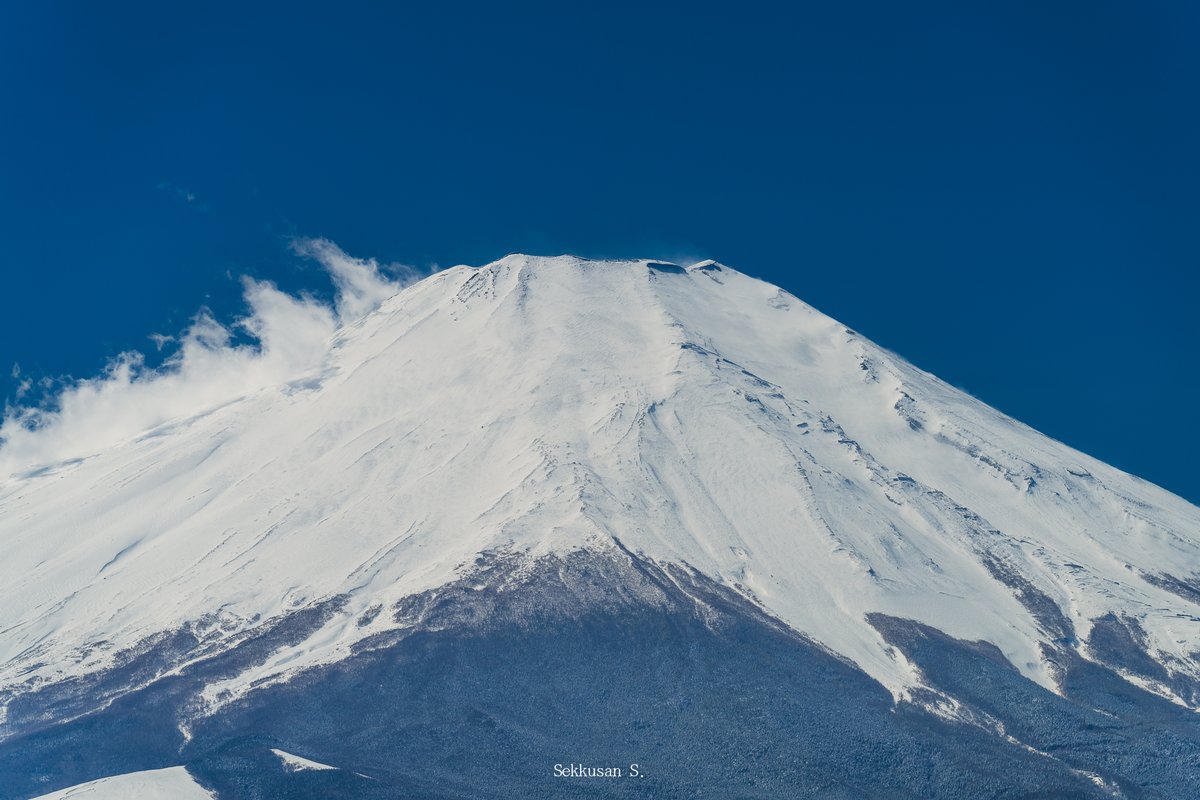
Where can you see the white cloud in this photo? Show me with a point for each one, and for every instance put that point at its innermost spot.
(290, 338)
(161, 340)
(360, 283)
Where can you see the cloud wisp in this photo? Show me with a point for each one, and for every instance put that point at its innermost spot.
(289, 337)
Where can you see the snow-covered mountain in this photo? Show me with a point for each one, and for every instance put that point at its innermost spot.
(558, 447)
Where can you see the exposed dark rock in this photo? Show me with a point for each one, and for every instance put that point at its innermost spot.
(607, 659)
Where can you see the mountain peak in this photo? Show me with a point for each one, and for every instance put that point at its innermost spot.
(539, 406)
(567, 260)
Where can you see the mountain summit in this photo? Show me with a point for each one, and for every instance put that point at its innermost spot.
(671, 498)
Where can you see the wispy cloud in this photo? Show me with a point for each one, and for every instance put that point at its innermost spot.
(361, 283)
(182, 195)
(289, 338)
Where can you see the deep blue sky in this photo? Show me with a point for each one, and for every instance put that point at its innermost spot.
(1004, 193)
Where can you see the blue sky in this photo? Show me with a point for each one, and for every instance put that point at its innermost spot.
(1003, 193)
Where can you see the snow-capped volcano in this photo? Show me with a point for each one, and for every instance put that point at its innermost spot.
(707, 428)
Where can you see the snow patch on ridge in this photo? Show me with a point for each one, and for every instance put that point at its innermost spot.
(296, 763)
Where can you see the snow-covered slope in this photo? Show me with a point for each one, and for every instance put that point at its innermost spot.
(172, 783)
(544, 405)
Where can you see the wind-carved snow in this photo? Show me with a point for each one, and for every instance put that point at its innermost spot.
(542, 405)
